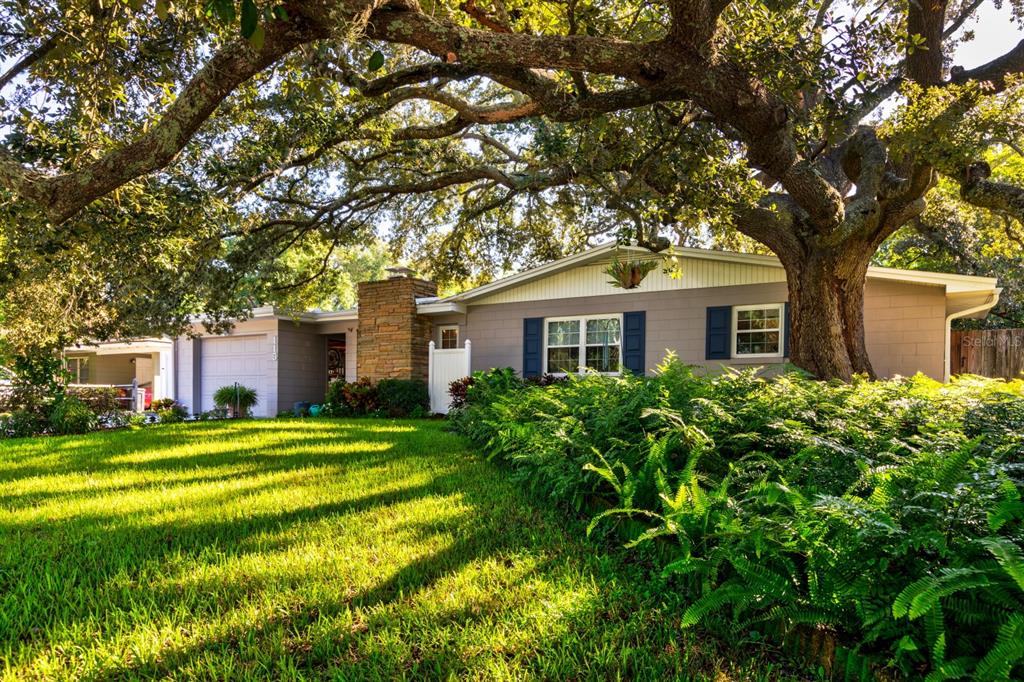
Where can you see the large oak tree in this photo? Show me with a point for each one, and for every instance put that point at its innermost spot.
(488, 126)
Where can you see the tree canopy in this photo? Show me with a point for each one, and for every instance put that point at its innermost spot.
(951, 236)
(163, 160)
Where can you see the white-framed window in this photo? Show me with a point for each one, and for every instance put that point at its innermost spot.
(449, 337)
(78, 369)
(757, 330)
(577, 344)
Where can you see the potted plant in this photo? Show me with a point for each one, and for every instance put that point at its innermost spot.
(237, 399)
(629, 273)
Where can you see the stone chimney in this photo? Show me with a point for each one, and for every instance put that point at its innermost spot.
(392, 340)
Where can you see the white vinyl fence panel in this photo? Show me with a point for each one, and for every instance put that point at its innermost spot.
(446, 366)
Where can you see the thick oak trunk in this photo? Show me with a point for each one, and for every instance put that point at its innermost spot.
(826, 296)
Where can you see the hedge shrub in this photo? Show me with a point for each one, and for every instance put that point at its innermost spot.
(388, 397)
(880, 523)
(403, 397)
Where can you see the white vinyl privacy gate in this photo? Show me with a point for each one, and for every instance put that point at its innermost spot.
(446, 366)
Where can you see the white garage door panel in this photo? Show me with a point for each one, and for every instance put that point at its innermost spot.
(230, 359)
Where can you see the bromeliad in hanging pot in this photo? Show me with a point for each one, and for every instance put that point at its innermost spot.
(628, 274)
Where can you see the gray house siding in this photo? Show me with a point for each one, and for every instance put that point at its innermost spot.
(302, 364)
(450, 320)
(905, 324)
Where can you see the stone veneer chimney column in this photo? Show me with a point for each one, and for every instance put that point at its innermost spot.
(392, 340)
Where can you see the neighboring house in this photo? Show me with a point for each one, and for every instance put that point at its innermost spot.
(725, 309)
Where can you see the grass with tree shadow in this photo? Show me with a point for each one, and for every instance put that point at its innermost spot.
(292, 549)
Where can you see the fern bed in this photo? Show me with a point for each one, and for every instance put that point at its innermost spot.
(875, 528)
(313, 549)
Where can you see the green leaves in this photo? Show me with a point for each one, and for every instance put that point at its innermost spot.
(251, 28)
(728, 593)
(1008, 650)
(922, 596)
(222, 10)
(250, 18)
(1009, 556)
(376, 61)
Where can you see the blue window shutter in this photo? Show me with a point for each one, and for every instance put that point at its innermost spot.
(533, 346)
(634, 340)
(785, 331)
(718, 331)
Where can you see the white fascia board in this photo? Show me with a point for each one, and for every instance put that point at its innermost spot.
(972, 304)
(268, 312)
(263, 311)
(333, 315)
(142, 345)
(954, 284)
(443, 307)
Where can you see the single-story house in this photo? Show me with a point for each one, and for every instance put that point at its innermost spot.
(725, 309)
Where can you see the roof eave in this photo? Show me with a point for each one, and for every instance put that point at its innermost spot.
(953, 283)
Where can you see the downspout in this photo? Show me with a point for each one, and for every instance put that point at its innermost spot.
(993, 300)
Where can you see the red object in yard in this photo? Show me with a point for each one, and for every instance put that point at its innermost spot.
(148, 396)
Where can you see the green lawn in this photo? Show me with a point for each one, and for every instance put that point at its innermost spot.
(296, 549)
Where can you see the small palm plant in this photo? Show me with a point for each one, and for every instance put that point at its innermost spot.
(238, 399)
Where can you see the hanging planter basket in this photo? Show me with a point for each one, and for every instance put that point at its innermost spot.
(629, 274)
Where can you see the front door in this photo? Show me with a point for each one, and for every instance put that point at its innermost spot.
(336, 358)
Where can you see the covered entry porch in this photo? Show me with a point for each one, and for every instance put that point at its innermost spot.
(142, 371)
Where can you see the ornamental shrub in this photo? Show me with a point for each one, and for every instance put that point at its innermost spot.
(360, 397)
(458, 391)
(21, 424)
(334, 400)
(37, 387)
(388, 397)
(353, 399)
(880, 522)
(169, 411)
(403, 397)
(71, 416)
(120, 419)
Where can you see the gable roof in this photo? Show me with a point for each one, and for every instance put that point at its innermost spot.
(954, 284)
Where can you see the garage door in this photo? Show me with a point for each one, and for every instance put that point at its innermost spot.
(244, 359)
